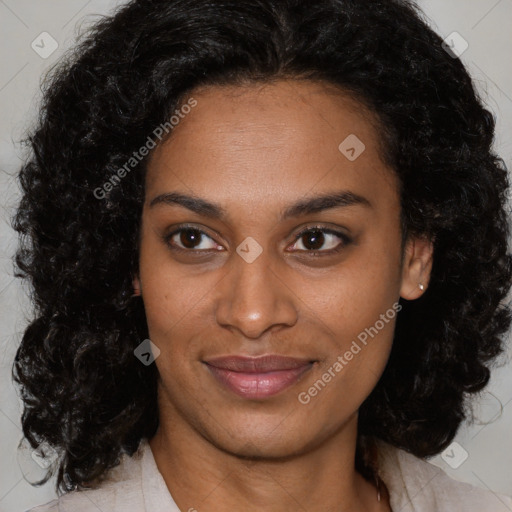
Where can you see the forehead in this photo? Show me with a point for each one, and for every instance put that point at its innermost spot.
(260, 144)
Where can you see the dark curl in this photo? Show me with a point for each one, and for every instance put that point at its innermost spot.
(84, 392)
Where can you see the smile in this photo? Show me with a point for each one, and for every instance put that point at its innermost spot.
(257, 378)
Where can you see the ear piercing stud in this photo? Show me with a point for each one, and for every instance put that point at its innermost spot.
(421, 286)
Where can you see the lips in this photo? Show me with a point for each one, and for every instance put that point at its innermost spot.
(258, 377)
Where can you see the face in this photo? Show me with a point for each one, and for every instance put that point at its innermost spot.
(240, 256)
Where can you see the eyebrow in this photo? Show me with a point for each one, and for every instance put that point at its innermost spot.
(303, 207)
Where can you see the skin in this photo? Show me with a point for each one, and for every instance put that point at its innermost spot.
(255, 150)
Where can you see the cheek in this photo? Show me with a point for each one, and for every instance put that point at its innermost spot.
(176, 319)
(355, 296)
(171, 292)
(357, 307)
(360, 325)
(177, 302)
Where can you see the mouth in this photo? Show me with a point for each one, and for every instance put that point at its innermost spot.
(258, 377)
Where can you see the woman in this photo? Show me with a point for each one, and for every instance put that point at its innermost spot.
(268, 246)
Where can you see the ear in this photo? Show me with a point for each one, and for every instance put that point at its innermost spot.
(416, 267)
(136, 286)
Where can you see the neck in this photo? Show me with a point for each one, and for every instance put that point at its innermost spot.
(203, 476)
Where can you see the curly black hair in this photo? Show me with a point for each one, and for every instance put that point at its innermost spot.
(84, 392)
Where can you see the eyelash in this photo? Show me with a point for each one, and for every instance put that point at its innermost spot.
(345, 240)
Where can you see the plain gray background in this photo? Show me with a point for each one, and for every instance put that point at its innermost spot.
(484, 24)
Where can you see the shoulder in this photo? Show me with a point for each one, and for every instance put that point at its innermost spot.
(121, 491)
(417, 485)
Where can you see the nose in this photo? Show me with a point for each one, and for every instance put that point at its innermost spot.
(254, 297)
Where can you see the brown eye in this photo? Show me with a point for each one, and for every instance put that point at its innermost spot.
(319, 240)
(313, 240)
(190, 239)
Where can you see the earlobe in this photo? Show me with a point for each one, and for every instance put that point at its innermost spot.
(416, 268)
(136, 286)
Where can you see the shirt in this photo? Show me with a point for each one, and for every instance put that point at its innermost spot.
(414, 485)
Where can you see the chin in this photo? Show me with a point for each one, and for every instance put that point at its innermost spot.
(261, 448)
(262, 438)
